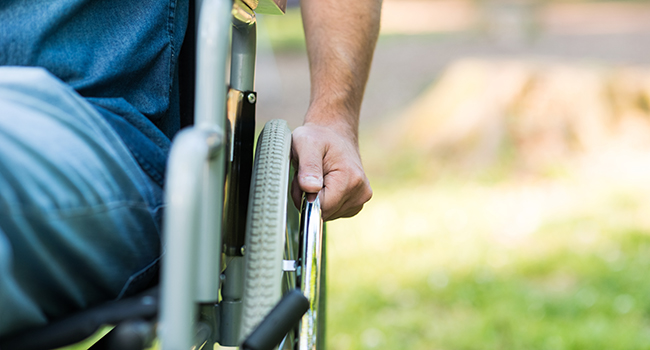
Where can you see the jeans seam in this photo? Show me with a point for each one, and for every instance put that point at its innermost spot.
(170, 31)
(137, 276)
(148, 168)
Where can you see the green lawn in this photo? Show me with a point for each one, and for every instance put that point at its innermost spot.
(558, 264)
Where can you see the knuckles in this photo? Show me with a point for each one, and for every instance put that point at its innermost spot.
(361, 183)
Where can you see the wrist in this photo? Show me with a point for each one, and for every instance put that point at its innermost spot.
(343, 124)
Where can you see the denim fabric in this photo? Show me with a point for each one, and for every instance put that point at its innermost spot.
(119, 54)
(79, 219)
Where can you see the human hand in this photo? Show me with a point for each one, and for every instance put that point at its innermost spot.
(328, 162)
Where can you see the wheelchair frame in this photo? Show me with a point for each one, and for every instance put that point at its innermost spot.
(214, 152)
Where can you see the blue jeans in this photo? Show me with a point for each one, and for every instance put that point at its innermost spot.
(121, 55)
(79, 219)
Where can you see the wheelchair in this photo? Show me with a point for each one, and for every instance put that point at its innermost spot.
(241, 266)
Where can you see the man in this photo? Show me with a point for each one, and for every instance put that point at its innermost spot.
(84, 139)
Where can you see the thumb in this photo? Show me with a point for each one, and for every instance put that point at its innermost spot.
(310, 169)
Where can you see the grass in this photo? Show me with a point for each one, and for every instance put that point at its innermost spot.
(559, 264)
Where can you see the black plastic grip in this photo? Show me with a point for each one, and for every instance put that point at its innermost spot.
(284, 316)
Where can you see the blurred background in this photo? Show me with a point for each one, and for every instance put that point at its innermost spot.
(508, 145)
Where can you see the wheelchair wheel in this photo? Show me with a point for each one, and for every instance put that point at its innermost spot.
(267, 223)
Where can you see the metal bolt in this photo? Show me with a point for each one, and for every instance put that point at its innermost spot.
(243, 250)
(251, 98)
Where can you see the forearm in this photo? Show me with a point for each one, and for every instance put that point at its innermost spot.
(341, 37)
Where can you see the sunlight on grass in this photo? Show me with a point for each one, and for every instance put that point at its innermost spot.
(547, 265)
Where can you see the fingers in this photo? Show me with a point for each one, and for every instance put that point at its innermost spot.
(344, 194)
(336, 203)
